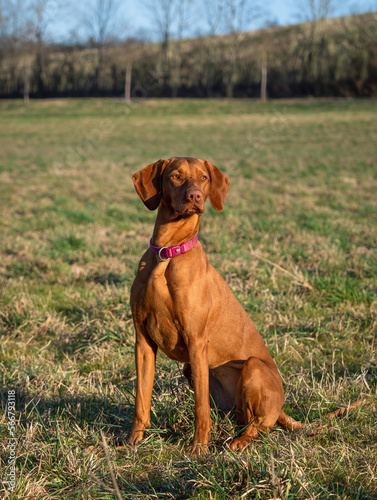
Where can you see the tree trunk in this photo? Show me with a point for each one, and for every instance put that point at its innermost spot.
(39, 73)
(26, 84)
(263, 85)
(210, 65)
(98, 71)
(165, 61)
(127, 87)
(232, 70)
(177, 70)
(233, 56)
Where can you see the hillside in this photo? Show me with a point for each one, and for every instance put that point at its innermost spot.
(336, 57)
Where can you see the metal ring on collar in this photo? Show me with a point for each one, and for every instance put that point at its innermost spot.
(159, 255)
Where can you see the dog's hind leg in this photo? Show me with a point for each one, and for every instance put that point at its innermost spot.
(260, 398)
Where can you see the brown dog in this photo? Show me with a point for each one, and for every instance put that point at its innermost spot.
(181, 305)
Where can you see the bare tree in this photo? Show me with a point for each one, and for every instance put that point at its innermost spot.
(100, 18)
(183, 22)
(3, 21)
(127, 84)
(263, 84)
(12, 23)
(316, 12)
(11, 37)
(238, 16)
(101, 23)
(33, 23)
(40, 17)
(213, 14)
(163, 14)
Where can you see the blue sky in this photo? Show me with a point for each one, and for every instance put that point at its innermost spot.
(280, 10)
(134, 19)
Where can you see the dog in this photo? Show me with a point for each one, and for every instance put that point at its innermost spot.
(181, 305)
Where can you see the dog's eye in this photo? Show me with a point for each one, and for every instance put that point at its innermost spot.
(203, 178)
(175, 176)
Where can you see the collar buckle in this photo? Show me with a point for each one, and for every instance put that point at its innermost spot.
(161, 257)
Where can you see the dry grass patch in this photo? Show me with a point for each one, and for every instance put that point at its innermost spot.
(296, 243)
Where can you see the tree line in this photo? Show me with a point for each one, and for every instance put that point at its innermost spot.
(321, 57)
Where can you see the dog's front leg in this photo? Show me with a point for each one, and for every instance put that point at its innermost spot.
(145, 357)
(198, 353)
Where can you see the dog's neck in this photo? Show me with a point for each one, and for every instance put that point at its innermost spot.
(168, 232)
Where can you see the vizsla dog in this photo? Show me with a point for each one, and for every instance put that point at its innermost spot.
(181, 305)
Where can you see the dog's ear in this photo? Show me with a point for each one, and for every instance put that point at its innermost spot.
(219, 186)
(148, 183)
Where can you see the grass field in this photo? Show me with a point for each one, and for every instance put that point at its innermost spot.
(296, 244)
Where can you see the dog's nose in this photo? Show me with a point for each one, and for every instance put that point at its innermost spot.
(194, 195)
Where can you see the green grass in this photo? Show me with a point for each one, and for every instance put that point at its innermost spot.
(296, 243)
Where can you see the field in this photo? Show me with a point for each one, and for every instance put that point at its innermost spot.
(296, 243)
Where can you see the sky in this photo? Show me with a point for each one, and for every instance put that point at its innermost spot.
(135, 21)
(278, 8)
(283, 11)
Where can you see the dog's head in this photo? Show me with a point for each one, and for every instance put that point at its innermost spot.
(182, 185)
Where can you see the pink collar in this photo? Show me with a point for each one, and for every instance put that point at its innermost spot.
(166, 253)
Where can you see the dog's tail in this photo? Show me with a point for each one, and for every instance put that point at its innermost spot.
(292, 425)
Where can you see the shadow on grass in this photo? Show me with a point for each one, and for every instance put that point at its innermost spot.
(172, 414)
(90, 412)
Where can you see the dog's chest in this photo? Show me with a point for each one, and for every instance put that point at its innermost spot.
(162, 323)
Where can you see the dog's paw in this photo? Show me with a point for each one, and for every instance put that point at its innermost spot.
(198, 450)
(135, 438)
(239, 443)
